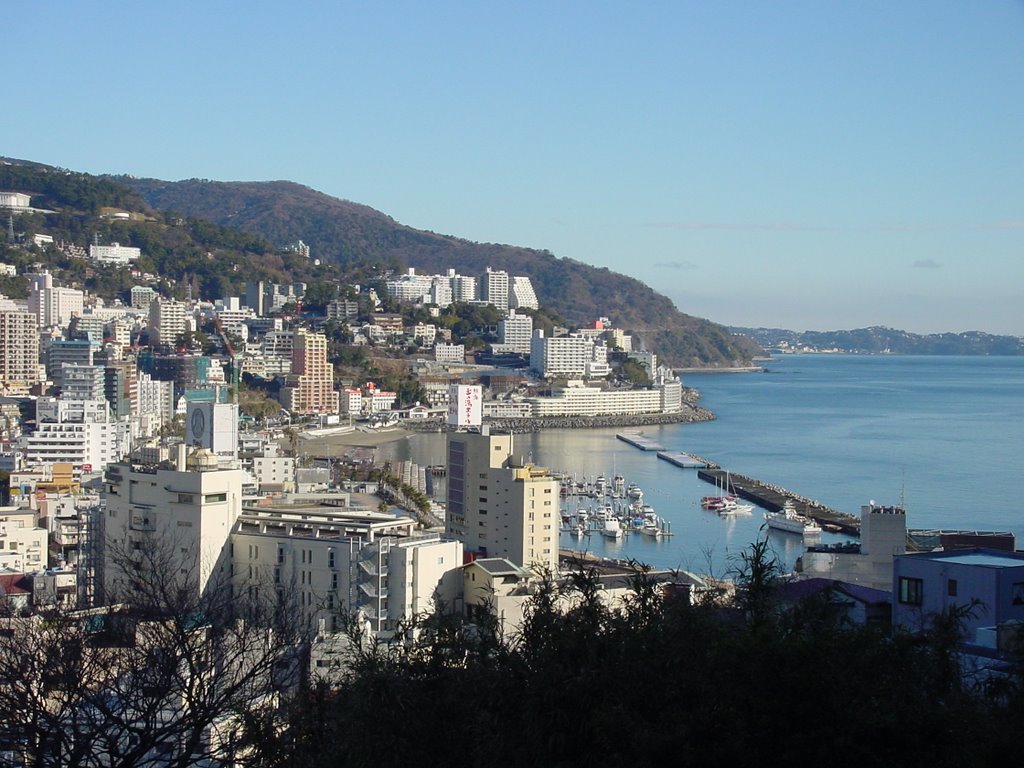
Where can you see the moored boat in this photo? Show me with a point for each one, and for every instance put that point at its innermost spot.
(790, 521)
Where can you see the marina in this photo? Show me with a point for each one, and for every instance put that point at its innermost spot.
(775, 499)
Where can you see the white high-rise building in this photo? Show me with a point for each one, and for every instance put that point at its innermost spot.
(514, 333)
(521, 294)
(168, 319)
(78, 432)
(494, 288)
(53, 305)
(463, 287)
(568, 356)
(155, 398)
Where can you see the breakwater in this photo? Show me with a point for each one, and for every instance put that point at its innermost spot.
(535, 424)
(772, 497)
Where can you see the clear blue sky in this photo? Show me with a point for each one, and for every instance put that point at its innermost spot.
(809, 165)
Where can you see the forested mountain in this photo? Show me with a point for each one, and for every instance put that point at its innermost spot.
(346, 233)
(212, 236)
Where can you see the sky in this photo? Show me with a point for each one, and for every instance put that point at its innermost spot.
(806, 165)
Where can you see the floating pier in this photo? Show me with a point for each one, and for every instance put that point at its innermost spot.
(772, 498)
(639, 440)
(687, 460)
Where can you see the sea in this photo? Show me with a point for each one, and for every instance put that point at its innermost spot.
(941, 436)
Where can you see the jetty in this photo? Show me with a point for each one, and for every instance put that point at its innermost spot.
(773, 498)
(641, 441)
(687, 460)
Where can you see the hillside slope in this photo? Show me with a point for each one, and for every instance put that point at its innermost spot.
(347, 233)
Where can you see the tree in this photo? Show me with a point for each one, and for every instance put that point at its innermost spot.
(165, 676)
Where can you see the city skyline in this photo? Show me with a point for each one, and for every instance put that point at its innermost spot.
(802, 165)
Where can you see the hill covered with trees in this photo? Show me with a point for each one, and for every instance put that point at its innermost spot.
(346, 233)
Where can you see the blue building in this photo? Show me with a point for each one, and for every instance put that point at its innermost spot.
(926, 583)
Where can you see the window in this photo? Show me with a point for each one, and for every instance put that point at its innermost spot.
(212, 498)
(911, 591)
(1018, 593)
(280, 554)
(185, 498)
(330, 558)
(334, 581)
(951, 587)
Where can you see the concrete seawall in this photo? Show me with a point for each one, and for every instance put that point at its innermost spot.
(688, 415)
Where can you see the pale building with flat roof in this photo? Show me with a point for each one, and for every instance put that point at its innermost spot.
(499, 505)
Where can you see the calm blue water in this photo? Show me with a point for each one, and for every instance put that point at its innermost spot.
(945, 433)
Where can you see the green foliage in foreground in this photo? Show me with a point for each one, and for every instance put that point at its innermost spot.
(658, 684)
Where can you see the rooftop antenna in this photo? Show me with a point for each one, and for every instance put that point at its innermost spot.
(903, 488)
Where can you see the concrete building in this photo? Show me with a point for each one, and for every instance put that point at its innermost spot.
(579, 400)
(926, 583)
(168, 319)
(515, 333)
(521, 294)
(177, 519)
(19, 352)
(498, 505)
(82, 382)
(61, 352)
(142, 296)
(155, 397)
(16, 201)
(339, 561)
(310, 387)
(450, 353)
(571, 356)
(53, 306)
(464, 288)
(494, 288)
(883, 535)
(24, 546)
(78, 432)
(115, 253)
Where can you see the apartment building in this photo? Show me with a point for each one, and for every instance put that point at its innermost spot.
(573, 356)
(310, 388)
(19, 352)
(168, 319)
(82, 433)
(499, 505)
(494, 288)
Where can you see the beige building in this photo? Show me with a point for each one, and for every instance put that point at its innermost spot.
(335, 561)
(19, 352)
(310, 388)
(170, 518)
(24, 546)
(498, 505)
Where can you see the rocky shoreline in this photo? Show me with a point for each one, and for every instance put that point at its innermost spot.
(689, 414)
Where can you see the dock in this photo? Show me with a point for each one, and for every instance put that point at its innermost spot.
(687, 460)
(772, 498)
(639, 440)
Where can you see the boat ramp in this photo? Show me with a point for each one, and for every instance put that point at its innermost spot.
(687, 460)
(773, 497)
(640, 440)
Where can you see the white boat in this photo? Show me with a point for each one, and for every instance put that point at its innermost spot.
(651, 529)
(728, 506)
(612, 528)
(790, 521)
